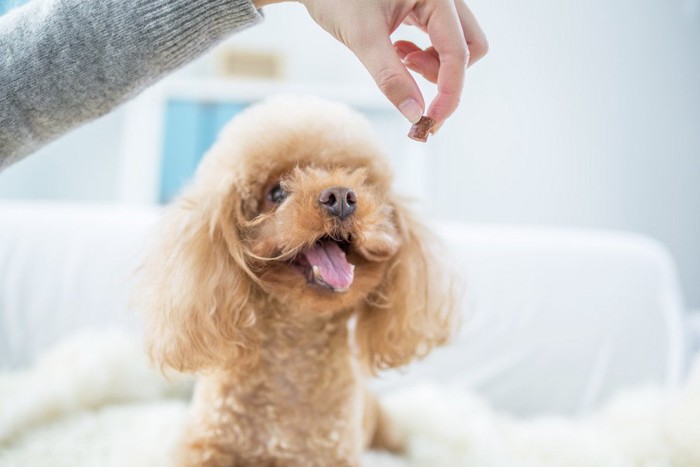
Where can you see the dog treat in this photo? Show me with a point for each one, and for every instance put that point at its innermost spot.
(421, 129)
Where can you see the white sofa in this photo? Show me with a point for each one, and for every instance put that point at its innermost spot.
(555, 320)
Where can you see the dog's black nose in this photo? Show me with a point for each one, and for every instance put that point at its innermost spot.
(338, 201)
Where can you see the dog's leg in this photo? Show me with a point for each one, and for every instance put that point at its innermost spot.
(208, 440)
(379, 429)
(199, 453)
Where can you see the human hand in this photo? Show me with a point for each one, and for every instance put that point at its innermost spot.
(365, 27)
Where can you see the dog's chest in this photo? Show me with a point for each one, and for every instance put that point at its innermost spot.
(299, 402)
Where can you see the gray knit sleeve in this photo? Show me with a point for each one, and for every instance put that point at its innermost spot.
(64, 62)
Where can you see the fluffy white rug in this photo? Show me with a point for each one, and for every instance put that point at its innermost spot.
(93, 401)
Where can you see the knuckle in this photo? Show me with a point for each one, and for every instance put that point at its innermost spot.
(479, 48)
(388, 80)
(458, 55)
(466, 56)
(464, 53)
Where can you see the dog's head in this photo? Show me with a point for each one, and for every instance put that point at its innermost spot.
(292, 209)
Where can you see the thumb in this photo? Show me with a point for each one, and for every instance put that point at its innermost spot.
(392, 77)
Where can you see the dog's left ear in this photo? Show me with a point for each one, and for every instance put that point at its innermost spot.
(412, 310)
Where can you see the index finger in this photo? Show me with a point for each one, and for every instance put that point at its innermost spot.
(446, 34)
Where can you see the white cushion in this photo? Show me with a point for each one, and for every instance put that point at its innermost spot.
(64, 267)
(558, 320)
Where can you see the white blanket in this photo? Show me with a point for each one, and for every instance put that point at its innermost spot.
(93, 401)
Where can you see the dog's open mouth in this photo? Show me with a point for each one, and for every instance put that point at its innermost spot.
(325, 264)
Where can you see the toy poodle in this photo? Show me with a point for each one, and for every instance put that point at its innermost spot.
(284, 275)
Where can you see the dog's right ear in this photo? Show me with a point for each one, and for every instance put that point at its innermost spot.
(195, 289)
(414, 309)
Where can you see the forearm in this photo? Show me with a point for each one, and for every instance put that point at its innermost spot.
(64, 62)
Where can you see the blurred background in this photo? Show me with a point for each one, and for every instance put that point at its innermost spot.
(584, 114)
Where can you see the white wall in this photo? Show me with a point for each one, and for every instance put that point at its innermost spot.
(79, 166)
(586, 114)
(583, 114)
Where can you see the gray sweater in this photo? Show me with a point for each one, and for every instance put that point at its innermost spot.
(64, 62)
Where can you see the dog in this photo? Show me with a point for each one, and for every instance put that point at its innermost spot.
(284, 275)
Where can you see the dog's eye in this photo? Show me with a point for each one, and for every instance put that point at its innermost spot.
(276, 194)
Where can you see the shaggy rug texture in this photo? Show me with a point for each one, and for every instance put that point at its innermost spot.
(94, 401)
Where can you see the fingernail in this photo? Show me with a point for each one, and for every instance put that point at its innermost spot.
(409, 64)
(411, 110)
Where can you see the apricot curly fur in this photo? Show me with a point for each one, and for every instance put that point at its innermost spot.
(281, 368)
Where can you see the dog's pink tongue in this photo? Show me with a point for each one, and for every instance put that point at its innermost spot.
(333, 267)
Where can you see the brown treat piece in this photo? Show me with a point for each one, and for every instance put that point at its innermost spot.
(421, 129)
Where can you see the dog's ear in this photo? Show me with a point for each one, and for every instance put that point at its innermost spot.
(412, 310)
(195, 289)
